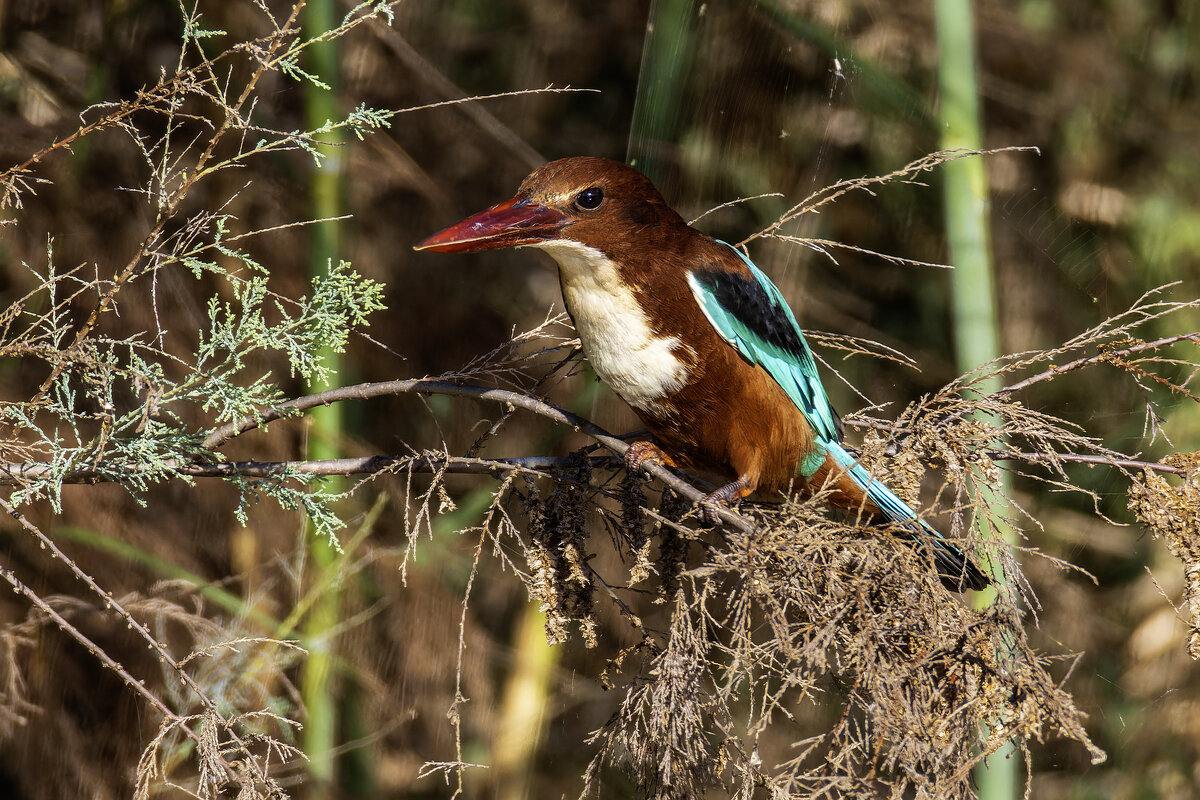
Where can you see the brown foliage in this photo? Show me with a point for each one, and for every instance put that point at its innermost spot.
(784, 654)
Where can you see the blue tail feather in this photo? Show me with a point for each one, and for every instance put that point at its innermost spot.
(956, 570)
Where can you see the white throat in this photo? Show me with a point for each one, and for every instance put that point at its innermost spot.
(638, 364)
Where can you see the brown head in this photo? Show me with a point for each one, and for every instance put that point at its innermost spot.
(597, 202)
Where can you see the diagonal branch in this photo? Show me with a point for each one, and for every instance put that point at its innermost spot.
(365, 391)
(133, 624)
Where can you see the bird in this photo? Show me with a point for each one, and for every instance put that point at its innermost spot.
(688, 331)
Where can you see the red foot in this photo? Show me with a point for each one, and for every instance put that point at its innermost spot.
(726, 495)
(642, 452)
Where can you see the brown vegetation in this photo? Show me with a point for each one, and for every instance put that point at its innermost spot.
(156, 317)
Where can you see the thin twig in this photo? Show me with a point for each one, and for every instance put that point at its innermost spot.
(1098, 460)
(430, 74)
(551, 88)
(1078, 363)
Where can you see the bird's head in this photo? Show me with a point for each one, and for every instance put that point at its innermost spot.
(602, 204)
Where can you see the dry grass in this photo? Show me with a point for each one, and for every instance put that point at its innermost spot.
(786, 654)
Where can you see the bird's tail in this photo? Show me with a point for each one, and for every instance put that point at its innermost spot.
(956, 570)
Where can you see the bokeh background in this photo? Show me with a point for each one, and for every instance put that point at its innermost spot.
(754, 97)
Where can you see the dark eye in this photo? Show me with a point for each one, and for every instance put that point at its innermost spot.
(589, 199)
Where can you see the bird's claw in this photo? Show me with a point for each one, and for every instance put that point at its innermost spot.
(643, 452)
(710, 504)
(710, 511)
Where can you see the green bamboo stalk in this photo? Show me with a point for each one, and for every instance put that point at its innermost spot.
(521, 728)
(657, 107)
(976, 325)
(318, 685)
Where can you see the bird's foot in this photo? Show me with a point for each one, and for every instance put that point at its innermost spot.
(710, 505)
(643, 452)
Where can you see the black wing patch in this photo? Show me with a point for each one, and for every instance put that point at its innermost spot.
(743, 297)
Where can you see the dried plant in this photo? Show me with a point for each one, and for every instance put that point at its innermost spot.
(783, 625)
(120, 405)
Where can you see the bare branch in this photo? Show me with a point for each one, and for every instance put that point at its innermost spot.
(1096, 358)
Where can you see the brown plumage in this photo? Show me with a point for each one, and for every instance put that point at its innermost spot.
(765, 435)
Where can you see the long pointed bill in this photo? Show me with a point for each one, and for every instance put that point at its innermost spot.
(510, 224)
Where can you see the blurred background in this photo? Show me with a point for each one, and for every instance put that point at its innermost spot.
(726, 100)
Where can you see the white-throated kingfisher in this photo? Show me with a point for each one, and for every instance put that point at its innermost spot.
(689, 332)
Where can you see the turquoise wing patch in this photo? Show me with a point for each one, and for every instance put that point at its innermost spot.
(751, 314)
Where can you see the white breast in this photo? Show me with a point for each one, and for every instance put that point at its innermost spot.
(638, 364)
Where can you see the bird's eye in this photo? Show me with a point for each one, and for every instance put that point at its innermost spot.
(589, 199)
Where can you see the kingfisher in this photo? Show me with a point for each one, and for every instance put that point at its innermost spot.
(696, 339)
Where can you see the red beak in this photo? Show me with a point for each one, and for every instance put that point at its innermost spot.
(510, 224)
